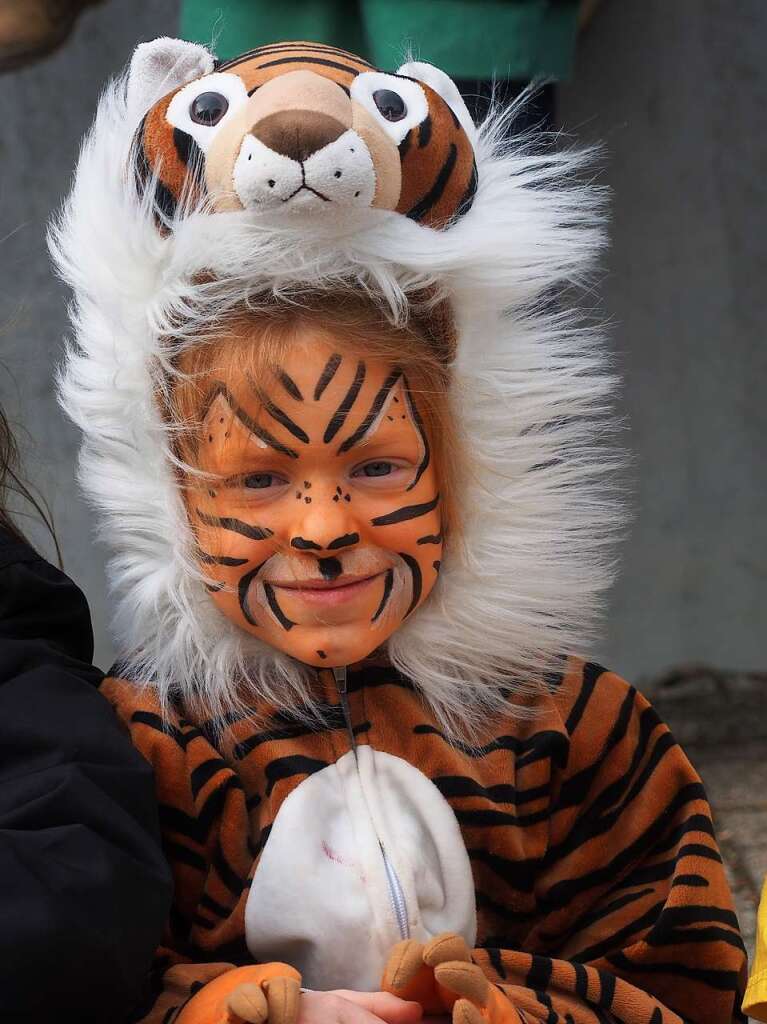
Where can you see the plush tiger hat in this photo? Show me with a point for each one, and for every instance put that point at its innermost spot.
(493, 229)
(299, 128)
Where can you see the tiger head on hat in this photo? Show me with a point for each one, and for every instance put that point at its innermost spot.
(299, 127)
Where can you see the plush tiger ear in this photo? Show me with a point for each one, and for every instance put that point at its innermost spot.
(161, 66)
(445, 87)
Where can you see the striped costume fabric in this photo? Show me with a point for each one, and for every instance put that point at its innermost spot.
(600, 892)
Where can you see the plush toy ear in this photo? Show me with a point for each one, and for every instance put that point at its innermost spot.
(159, 67)
(446, 88)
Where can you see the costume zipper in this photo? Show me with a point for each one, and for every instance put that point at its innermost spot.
(396, 892)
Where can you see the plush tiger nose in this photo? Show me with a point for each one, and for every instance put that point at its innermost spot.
(298, 133)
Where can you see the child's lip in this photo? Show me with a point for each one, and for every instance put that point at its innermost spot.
(327, 591)
(336, 584)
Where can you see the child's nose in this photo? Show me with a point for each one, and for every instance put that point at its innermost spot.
(327, 524)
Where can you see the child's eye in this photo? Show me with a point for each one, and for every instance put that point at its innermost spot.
(380, 468)
(259, 481)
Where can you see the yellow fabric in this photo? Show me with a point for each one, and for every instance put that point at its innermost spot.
(755, 1003)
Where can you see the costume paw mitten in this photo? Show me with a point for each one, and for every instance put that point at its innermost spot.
(247, 995)
(443, 979)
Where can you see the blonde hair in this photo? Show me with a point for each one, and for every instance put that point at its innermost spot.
(253, 341)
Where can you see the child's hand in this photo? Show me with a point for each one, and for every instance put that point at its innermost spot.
(346, 1007)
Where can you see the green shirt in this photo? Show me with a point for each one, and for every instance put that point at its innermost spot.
(469, 39)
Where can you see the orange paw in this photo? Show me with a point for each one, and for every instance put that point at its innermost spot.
(247, 995)
(443, 979)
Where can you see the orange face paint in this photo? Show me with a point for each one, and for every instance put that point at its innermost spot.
(318, 522)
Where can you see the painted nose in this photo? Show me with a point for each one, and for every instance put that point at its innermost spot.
(297, 134)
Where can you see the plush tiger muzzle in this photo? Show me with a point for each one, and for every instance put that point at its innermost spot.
(300, 128)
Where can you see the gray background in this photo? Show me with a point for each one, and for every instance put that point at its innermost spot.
(677, 91)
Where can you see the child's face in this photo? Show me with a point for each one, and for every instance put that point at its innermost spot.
(323, 532)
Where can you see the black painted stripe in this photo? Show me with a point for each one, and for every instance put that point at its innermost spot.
(208, 559)
(388, 583)
(282, 417)
(430, 538)
(415, 571)
(290, 385)
(304, 545)
(247, 421)
(400, 515)
(286, 623)
(243, 590)
(435, 193)
(422, 434)
(377, 404)
(236, 526)
(339, 416)
(327, 375)
(343, 542)
(263, 434)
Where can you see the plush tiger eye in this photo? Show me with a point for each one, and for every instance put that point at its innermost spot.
(390, 104)
(208, 108)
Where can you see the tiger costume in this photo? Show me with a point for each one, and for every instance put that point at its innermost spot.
(564, 860)
(584, 902)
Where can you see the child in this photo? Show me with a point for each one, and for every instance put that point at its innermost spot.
(79, 842)
(349, 448)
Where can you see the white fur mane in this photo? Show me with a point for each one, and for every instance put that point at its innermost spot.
(525, 587)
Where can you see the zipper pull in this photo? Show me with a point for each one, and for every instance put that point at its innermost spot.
(339, 674)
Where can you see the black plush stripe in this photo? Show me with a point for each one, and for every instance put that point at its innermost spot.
(266, 51)
(204, 772)
(287, 767)
(503, 793)
(435, 193)
(310, 60)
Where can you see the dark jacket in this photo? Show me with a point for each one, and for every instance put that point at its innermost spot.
(84, 888)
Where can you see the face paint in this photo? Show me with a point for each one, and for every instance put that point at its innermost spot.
(320, 531)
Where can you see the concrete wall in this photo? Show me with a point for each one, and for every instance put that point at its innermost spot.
(678, 92)
(46, 109)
